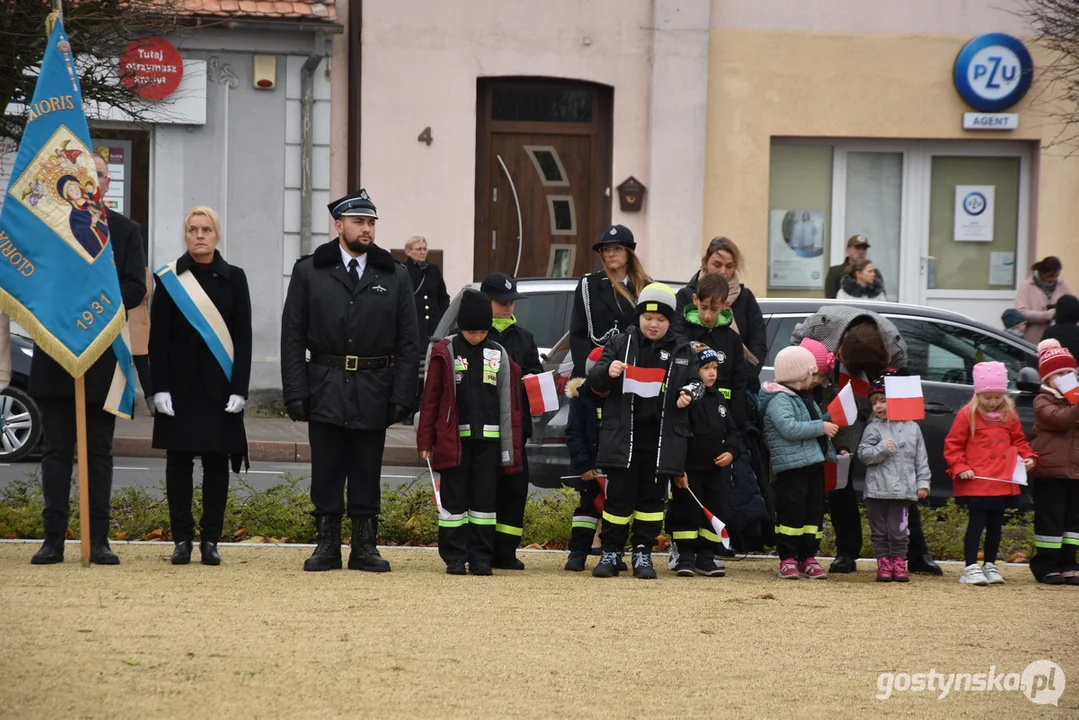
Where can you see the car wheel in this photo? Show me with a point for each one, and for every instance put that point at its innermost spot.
(20, 425)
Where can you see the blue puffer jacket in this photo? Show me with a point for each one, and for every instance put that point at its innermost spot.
(789, 430)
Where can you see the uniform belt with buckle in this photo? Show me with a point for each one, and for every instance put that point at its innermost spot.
(352, 363)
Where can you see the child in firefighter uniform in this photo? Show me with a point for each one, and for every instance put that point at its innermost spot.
(469, 421)
(651, 375)
(712, 448)
(582, 439)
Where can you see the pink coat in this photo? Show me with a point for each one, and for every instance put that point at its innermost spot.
(1031, 301)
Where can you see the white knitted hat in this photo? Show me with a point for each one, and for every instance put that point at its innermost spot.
(794, 364)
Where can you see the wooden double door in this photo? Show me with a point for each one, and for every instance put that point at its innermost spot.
(543, 176)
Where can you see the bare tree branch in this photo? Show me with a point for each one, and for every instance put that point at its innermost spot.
(1055, 24)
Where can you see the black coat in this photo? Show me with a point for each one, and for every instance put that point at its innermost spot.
(1065, 328)
(608, 311)
(732, 370)
(714, 433)
(324, 315)
(48, 379)
(834, 279)
(182, 365)
(582, 427)
(620, 411)
(429, 291)
(522, 349)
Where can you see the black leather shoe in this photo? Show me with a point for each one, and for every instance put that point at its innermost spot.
(327, 555)
(456, 567)
(842, 564)
(51, 552)
(181, 554)
(924, 565)
(364, 554)
(101, 553)
(508, 563)
(210, 556)
(480, 567)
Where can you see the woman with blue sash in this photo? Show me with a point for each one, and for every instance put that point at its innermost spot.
(200, 360)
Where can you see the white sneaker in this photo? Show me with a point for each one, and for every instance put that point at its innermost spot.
(973, 575)
(992, 575)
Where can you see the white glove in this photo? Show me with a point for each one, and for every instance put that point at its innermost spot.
(235, 404)
(163, 403)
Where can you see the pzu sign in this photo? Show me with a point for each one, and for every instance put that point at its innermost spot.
(993, 72)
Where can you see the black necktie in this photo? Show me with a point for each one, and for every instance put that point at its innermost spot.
(353, 273)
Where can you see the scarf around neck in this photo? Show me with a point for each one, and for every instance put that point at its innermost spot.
(853, 287)
(1047, 287)
(500, 324)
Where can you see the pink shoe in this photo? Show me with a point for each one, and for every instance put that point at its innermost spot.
(788, 570)
(884, 569)
(899, 570)
(811, 569)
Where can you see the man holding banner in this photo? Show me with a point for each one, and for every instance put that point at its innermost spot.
(78, 330)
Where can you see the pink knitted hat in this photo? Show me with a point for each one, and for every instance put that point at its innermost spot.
(990, 377)
(825, 360)
(794, 364)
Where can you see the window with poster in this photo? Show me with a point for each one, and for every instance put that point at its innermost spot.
(127, 154)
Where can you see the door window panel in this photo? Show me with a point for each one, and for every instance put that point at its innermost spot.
(875, 208)
(799, 219)
(541, 104)
(548, 164)
(948, 353)
(563, 215)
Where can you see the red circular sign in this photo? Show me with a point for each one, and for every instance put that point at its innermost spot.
(152, 68)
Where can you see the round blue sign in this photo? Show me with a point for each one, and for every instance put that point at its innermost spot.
(974, 203)
(993, 72)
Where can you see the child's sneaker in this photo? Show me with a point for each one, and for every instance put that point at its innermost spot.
(973, 575)
(685, 565)
(575, 562)
(708, 566)
(642, 564)
(992, 575)
(608, 565)
(788, 570)
(455, 567)
(810, 568)
(884, 569)
(899, 570)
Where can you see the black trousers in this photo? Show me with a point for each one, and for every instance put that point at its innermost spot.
(846, 520)
(1056, 525)
(466, 530)
(991, 522)
(511, 493)
(686, 524)
(179, 482)
(341, 456)
(585, 518)
(57, 461)
(634, 494)
(799, 512)
(142, 367)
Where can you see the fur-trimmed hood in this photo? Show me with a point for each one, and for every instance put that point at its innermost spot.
(573, 387)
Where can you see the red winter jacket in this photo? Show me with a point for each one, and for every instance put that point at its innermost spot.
(988, 453)
(437, 430)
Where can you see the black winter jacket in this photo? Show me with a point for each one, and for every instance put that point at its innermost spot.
(594, 322)
(582, 428)
(714, 432)
(429, 293)
(1065, 328)
(731, 377)
(522, 349)
(325, 315)
(621, 411)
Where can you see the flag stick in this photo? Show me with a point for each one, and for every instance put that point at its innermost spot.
(84, 468)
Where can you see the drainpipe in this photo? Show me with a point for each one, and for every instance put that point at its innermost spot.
(307, 108)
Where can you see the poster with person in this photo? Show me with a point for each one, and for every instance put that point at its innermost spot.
(796, 241)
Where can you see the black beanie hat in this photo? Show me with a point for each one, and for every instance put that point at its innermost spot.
(475, 312)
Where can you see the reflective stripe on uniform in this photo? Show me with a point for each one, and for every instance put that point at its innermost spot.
(1049, 542)
(709, 535)
(458, 367)
(481, 518)
(466, 430)
(790, 531)
(616, 519)
(684, 535)
(725, 392)
(810, 529)
(648, 516)
(491, 431)
(452, 521)
(1070, 538)
(585, 521)
(599, 413)
(509, 530)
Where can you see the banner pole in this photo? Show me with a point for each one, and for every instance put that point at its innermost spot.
(84, 468)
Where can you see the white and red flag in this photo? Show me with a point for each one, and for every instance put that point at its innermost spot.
(717, 525)
(1068, 386)
(905, 401)
(858, 383)
(542, 392)
(842, 410)
(642, 381)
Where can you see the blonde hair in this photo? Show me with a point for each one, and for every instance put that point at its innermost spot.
(414, 241)
(636, 274)
(974, 408)
(208, 212)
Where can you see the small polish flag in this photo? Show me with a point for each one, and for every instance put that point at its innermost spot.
(643, 382)
(905, 401)
(562, 376)
(837, 473)
(598, 502)
(1068, 385)
(436, 483)
(859, 384)
(542, 393)
(717, 525)
(1019, 473)
(842, 409)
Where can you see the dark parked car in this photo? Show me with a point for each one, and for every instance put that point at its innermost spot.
(20, 418)
(943, 348)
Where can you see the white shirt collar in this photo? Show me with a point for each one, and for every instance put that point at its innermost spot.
(346, 259)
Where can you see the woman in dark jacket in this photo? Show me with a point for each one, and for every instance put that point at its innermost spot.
(604, 303)
(1066, 327)
(200, 356)
(724, 257)
(428, 287)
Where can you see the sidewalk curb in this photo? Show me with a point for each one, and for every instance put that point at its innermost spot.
(265, 451)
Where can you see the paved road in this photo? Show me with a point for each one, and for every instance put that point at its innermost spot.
(150, 473)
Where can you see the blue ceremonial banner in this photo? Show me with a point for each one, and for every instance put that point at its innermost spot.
(57, 274)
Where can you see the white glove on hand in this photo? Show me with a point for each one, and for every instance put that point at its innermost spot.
(163, 403)
(235, 404)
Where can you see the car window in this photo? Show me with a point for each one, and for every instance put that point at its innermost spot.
(782, 338)
(545, 315)
(943, 352)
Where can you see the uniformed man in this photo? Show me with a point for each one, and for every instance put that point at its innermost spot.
(350, 306)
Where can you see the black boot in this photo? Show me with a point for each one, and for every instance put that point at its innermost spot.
(181, 554)
(101, 553)
(842, 564)
(210, 556)
(51, 552)
(575, 562)
(642, 563)
(506, 553)
(327, 555)
(923, 564)
(608, 565)
(364, 555)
